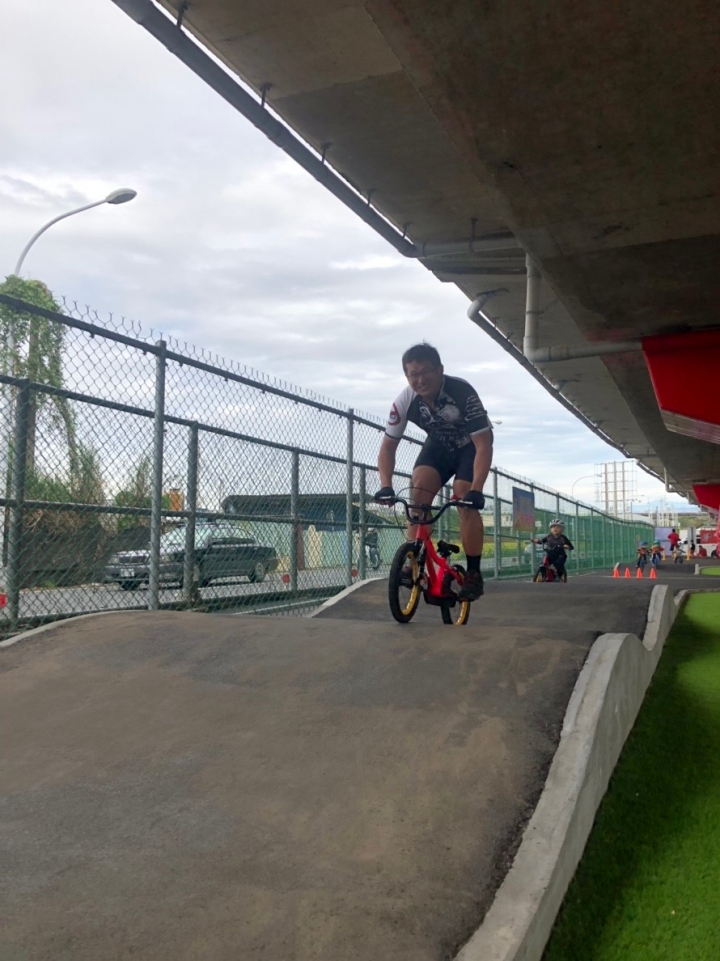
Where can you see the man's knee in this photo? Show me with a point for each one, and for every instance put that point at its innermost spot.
(424, 485)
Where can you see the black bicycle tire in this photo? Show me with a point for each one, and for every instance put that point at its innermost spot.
(464, 607)
(402, 614)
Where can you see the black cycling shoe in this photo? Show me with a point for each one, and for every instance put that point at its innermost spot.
(472, 587)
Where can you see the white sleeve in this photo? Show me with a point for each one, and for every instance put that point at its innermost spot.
(398, 416)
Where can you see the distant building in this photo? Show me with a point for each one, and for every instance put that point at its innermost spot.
(326, 512)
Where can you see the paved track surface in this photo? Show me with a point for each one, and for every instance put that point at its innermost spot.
(342, 788)
(578, 611)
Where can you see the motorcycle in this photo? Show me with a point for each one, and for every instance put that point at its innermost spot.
(372, 551)
(372, 557)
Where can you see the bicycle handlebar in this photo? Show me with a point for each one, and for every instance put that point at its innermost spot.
(426, 509)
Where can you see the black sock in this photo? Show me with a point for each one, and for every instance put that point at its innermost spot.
(473, 563)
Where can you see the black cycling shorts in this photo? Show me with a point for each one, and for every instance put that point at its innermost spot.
(457, 463)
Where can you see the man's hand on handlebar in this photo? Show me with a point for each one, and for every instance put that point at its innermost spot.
(386, 495)
(475, 500)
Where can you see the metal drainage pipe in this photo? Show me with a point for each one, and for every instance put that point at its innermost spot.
(547, 355)
(476, 315)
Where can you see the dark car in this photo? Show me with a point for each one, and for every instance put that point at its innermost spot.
(222, 549)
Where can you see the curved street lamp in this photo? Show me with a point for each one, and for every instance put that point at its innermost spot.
(121, 196)
(572, 489)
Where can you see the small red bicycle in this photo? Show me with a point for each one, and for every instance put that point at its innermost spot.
(547, 571)
(418, 567)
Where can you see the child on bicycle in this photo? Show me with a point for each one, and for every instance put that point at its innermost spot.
(556, 544)
(643, 555)
(656, 553)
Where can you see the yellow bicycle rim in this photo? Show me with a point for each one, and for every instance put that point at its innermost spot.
(413, 598)
(463, 613)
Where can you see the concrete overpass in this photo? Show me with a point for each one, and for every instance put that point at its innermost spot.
(473, 135)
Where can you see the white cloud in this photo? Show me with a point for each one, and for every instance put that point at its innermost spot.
(386, 262)
(229, 244)
(486, 365)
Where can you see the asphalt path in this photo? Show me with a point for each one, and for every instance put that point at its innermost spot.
(199, 786)
(579, 611)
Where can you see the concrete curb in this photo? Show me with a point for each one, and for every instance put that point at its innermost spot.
(53, 625)
(601, 712)
(343, 594)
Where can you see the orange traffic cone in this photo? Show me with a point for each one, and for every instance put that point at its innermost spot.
(653, 575)
(616, 572)
(627, 572)
(639, 572)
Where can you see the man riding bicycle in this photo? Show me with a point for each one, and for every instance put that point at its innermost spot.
(459, 444)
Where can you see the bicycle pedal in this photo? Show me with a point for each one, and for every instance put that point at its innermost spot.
(445, 550)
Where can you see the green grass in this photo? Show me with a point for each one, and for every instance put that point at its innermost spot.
(648, 887)
(714, 571)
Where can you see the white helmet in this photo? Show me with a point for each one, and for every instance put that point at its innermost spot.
(557, 523)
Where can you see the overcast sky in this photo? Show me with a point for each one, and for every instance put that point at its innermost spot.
(229, 244)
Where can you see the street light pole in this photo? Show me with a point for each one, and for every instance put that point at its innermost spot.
(121, 196)
(572, 489)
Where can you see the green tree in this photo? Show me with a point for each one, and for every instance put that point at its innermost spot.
(86, 484)
(32, 347)
(138, 493)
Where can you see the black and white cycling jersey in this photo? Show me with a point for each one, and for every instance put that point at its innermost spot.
(457, 415)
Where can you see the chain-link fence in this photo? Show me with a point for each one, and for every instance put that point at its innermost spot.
(141, 472)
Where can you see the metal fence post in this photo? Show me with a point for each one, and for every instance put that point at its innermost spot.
(623, 538)
(349, 499)
(294, 518)
(157, 478)
(17, 493)
(189, 586)
(530, 555)
(362, 565)
(577, 534)
(592, 539)
(497, 546)
(6, 427)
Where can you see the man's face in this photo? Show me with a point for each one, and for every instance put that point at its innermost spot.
(424, 379)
